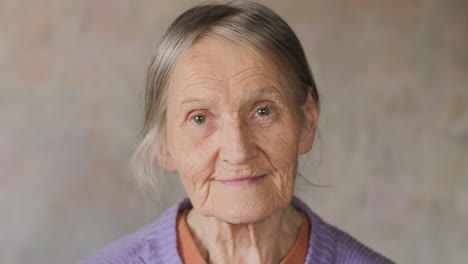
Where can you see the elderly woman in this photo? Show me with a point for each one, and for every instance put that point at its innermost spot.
(230, 104)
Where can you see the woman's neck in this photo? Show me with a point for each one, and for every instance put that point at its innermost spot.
(265, 241)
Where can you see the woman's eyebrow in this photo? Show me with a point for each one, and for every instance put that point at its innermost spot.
(256, 92)
(194, 101)
(265, 90)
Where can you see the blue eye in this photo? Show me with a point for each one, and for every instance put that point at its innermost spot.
(263, 112)
(199, 119)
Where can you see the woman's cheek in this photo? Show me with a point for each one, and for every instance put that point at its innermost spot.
(285, 144)
(190, 139)
(196, 146)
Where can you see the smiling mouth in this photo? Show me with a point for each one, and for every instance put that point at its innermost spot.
(242, 181)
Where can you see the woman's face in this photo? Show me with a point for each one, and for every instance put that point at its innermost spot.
(231, 132)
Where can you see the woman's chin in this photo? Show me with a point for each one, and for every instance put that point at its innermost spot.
(244, 216)
(245, 210)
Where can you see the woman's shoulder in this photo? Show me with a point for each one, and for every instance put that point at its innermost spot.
(125, 250)
(155, 242)
(328, 244)
(350, 250)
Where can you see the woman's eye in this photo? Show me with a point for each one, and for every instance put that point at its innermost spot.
(263, 112)
(199, 119)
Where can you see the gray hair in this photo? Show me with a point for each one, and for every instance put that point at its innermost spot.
(250, 23)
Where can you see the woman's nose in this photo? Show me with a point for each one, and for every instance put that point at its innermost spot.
(237, 146)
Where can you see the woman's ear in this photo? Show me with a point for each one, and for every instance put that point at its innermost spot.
(166, 160)
(309, 110)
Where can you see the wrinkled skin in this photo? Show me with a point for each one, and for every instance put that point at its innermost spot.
(229, 117)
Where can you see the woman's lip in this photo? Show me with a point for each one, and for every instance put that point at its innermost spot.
(242, 181)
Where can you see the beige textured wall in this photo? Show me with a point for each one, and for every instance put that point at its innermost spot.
(393, 132)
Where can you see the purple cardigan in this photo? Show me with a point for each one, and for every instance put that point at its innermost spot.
(157, 243)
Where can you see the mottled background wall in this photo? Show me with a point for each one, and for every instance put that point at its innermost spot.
(393, 132)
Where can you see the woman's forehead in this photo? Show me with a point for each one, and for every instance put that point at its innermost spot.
(213, 63)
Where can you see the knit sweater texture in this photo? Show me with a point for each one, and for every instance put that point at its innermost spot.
(157, 243)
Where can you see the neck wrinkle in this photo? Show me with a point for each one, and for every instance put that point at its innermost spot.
(266, 241)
